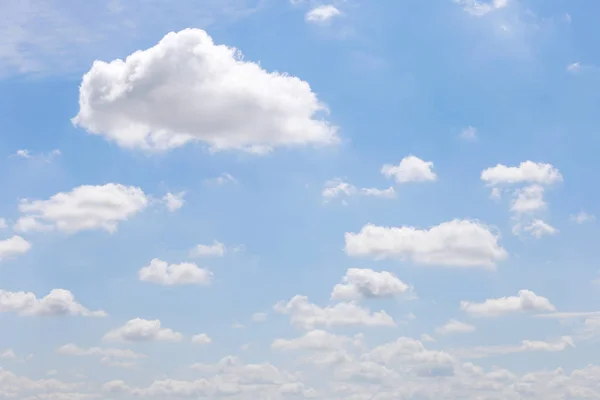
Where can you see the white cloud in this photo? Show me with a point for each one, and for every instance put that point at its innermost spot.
(163, 273)
(306, 315)
(322, 13)
(142, 330)
(222, 179)
(48, 157)
(366, 283)
(388, 193)
(582, 217)
(174, 201)
(480, 8)
(539, 228)
(59, 302)
(459, 243)
(410, 169)
(561, 344)
(338, 188)
(259, 317)
(526, 172)
(3, 224)
(86, 207)
(469, 133)
(528, 199)
(74, 350)
(217, 249)
(201, 339)
(526, 301)
(427, 338)
(13, 246)
(411, 352)
(454, 326)
(316, 340)
(187, 89)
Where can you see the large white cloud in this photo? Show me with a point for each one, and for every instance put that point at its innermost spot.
(308, 316)
(83, 208)
(163, 273)
(410, 169)
(460, 243)
(142, 330)
(524, 302)
(359, 283)
(13, 246)
(58, 302)
(526, 172)
(186, 88)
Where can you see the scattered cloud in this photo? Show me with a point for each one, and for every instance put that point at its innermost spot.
(86, 207)
(366, 283)
(74, 350)
(306, 315)
(457, 243)
(59, 302)
(217, 249)
(44, 157)
(13, 246)
(322, 14)
(142, 330)
(528, 199)
(469, 133)
(163, 273)
(538, 228)
(3, 223)
(479, 8)
(337, 188)
(454, 326)
(582, 217)
(201, 339)
(222, 179)
(410, 169)
(209, 94)
(259, 317)
(526, 301)
(561, 344)
(175, 201)
(526, 172)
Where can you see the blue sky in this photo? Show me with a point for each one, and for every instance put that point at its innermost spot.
(176, 200)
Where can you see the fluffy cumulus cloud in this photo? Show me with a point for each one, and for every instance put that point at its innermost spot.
(527, 200)
(86, 207)
(142, 330)
(163, 273)
(366, 283)
(526, 172)
(410, 169)
(306, 315)
(187, 89)
(13, 246)
(457, 243)
(59, 302)
(322, 13)
(525, 301)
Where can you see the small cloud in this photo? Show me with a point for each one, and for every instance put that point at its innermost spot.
(8, 354)
(245, 347)
(479, 8)
(44, 157)
(469, 133)
(574, 67)
(217, 249)
(568, 18)
(3, 224)
(201, 339)
(322, 14)
(582, 217)
(259, 317)
(427, 338)
(237, 325)
(174, 201)
(222, 179)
